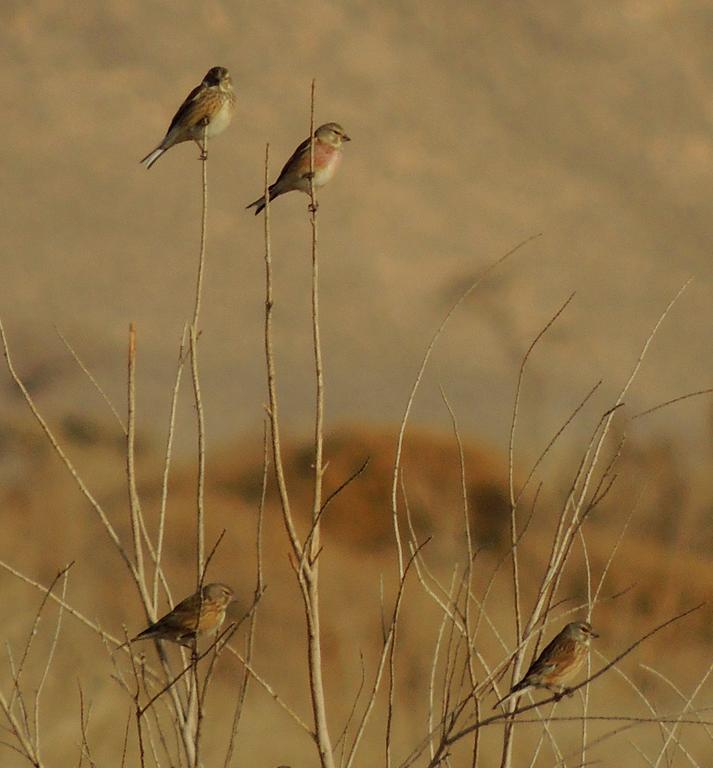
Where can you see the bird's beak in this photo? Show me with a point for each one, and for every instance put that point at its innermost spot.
(593, 633)
(345, 137)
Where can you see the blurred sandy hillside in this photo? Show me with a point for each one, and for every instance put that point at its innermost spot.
(46, 523)
(664, 522)
(475, 125)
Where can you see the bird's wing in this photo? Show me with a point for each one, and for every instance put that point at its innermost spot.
(295, 157)
(193, 109)
(182, 615)
(558, 655)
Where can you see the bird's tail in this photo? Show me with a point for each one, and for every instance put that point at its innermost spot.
(260, 203)
(503, 700)
(514, 691)
(140, 636)
(153, 156)
(147, 634)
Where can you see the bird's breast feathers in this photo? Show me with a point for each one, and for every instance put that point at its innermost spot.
(221, 119)
(326, 160)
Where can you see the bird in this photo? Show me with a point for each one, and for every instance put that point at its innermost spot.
(328, 140)
(199, 615)
(558, 663)
(209, 106)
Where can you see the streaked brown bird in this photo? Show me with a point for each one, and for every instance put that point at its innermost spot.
(208, 106)
(328, 140)
(558, 663)
(199, 615)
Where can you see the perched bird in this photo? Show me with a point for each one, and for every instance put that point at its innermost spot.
(328, 140)
(200, 614)
(209, 105)
(558, 663)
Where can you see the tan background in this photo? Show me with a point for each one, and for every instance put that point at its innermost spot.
(474, 126)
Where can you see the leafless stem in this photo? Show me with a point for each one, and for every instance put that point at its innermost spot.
(92, 379)
(134, 503)
(417, 382)
(164, 480)
(674, 400)
(27, 735)
(272, 410)
(382, 660)
(310, 578)
(64, 574)
(84, 724)
(518, 658)
(260, 680)
(106, 523)
(204, 231)
(259, 587)
(468, 574)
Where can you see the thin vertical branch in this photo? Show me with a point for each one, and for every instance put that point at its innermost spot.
(137, 520)
(134, 503)
(390, 696)
(317, 348)
(588, 662)
(468, 575)
(204, 230)
(250, 642)
(200, 485)
(307, 570)
(272, 693)
(434, 664)
(193, 338)
(85, 751)
(272, 376)
(514, 538)
(687, 706)
(15, 726)
(48, 663)
(137, 710)
(92, 379)
(388, 636)
(310, 577)
(167, 464)
(417, 382)
(195, 697)
(98, 509)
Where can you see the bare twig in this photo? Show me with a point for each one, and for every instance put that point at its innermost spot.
(272, 410)
(382, 660)
(158, 572)
(50, 656)
(417, 382)
(91, 378)
(342, 738)
(674, 400)
(310, 579)
(271, 692)
(101, 514)
(85, 751)
(134, 504)
(259, 587)
(200, 485)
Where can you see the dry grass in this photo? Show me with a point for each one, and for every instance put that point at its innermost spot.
(358, 551)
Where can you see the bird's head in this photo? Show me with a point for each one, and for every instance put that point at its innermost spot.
(219, 592)
(581, 631)
(332, 134)
(217, 76)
